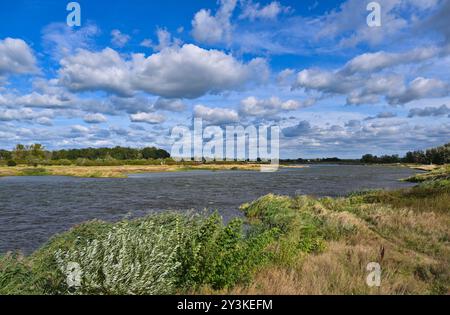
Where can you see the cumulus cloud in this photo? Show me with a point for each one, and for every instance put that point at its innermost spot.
(130, 105)
(38, 99)
(372, 62)
(429, 111)
(149, 118)
(212, 29)
(26, 114)
(368, 78)
(119, 39)
(171, 105)
(253, 11)
(216, 116)
(420, 88)
(79, 130)
(190, 72)
(92, 71)
(95, 118)
(35, 99)
(252, 106)
(16, 57)
(185, 72)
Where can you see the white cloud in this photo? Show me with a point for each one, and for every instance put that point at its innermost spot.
(61, 40)
(79, 130)
(190, 72)
(176, 72)
(252, 106)
(165, 40)
(94, 118)
(371, 62)
(24, 114)
(216, 115)
(430, 111)
(119, 39)
(148, 43)
(172, 105)
(367, 78)
(91, 71)
(253, 11)
(421, 88)
(16, 57)
(149, 118)
(35, 99)
(213, 29)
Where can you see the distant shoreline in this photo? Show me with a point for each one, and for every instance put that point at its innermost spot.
(122, 171)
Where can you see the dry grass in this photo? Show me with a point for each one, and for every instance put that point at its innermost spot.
(121, 171)
(410, 239)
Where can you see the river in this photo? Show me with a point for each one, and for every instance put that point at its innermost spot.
(33, 209)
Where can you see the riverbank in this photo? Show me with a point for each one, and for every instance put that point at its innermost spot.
(118, 171)
(300, 245)
(122, 171)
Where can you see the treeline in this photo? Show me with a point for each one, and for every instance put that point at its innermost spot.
(36, 153)
(439, 156)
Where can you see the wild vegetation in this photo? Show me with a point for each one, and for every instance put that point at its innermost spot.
(438, 156)
(283, 245)
(119, 171)
(36, 154)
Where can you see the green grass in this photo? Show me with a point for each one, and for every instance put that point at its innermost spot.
(34, 172)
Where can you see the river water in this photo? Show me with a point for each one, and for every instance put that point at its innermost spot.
(33, 209)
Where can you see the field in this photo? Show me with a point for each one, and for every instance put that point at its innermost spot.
(284, 245)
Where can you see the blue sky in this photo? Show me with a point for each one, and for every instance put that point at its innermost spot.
(135, 69)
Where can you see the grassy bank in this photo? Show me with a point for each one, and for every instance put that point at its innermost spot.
(120, 171)
(301, 245)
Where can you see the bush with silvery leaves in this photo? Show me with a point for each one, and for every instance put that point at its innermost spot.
(134, 258)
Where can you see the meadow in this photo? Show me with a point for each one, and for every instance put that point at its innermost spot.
(301, 245)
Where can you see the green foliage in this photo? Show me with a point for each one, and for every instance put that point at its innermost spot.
(5, 155)
(34, 172)
(439, 156)
(105, 154)
(137, 259)
(28, 153)
(273, 211)
(159, 254)
(221, 256)
(17, 277)
(178, 253)
(11, 163)
(385, 159)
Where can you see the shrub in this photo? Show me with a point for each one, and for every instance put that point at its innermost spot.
(159, 254)
(34, 172)
(131, 259)
(11, 163)
(273, 211)
(221, 256)
(17, 277)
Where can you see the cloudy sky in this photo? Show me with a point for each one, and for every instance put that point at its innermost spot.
(135, 69)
